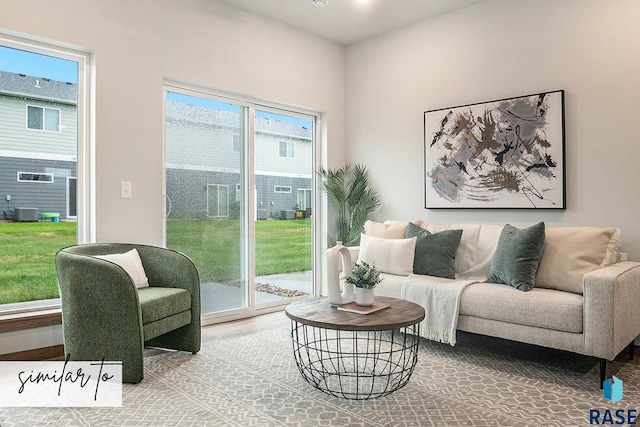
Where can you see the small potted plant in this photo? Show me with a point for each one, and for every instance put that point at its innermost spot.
(364, 277)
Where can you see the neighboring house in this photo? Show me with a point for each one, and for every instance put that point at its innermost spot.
(38, 145)
(203, 149)
(38, 155)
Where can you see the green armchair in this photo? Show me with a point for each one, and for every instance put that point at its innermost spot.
(104, 314)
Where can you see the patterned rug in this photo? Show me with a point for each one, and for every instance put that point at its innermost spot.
(253, 381)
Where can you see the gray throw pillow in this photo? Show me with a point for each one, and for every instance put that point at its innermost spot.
(517, 256)
(435, 253)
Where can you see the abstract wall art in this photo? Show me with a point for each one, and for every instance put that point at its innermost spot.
(507, 153)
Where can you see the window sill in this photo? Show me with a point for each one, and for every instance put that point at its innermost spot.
(23, 316)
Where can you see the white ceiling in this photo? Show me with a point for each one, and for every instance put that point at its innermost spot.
(350, 21)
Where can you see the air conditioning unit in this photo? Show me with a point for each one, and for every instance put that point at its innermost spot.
(26, 214)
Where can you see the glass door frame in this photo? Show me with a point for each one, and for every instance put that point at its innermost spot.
(249, 107)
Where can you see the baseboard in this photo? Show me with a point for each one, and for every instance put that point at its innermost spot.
(45, 353)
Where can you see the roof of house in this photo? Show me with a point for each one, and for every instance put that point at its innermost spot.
(197, 114)
(38, 88)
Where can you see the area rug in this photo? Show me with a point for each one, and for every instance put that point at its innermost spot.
(253, 381)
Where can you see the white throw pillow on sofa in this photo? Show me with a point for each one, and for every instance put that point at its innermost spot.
(393, 256)
(390, 229)
(132, 264)
(571, 252)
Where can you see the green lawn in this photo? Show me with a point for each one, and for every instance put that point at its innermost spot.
(27, 251)
(214, 246)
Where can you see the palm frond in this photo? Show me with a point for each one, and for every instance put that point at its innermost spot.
(349, 192)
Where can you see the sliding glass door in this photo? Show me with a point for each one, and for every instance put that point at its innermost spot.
(239, 199)
(283, 146)
(204, 145)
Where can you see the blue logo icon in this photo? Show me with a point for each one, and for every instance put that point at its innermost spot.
(612, 389)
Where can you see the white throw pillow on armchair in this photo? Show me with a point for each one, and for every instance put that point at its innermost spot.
(132, 264)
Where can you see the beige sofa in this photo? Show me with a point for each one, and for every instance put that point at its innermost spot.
(585, 299)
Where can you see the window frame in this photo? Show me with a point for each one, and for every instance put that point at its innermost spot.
(35, 180)
(44, 119)
(287, 189)
(85, 116)
(250, 105)
(288, 154)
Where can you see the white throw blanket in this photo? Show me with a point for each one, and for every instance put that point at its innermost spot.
(441, 301)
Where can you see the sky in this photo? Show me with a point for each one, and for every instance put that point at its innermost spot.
(43, 66)
(36, 65)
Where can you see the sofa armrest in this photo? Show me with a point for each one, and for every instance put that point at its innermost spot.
(611, 300)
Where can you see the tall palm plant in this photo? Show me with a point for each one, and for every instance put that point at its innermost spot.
(354, 200)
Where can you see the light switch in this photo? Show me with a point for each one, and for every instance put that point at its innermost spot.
(125, 190)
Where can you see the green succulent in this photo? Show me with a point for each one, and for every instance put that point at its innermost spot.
(364, 275)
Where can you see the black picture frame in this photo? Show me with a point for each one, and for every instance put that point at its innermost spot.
(502, 154)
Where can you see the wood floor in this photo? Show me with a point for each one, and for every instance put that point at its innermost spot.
(243, 327)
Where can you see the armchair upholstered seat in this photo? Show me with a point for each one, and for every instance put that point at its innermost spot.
(105, 316)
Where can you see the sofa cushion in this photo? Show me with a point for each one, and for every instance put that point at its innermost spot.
(517, 256)
(390, 229)
(476, 249)
(571, 252)
(542, 308)
(435, 253)
(157, 303)
(394, 256)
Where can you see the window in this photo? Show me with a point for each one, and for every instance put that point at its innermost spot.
(41, 118)
(282, 189)
(286, 149)
(213, 144)
(35, 177)
(42, 88)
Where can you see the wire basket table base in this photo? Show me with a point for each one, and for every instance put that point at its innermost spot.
(355, 365)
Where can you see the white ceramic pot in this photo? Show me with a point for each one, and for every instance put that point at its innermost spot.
(364, 296)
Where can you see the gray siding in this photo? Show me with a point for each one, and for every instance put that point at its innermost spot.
(46, 197)
(187, 190)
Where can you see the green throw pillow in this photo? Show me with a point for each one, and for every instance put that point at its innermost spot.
(517, 256)
(435, 253)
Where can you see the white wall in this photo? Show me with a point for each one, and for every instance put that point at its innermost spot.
(500, 49)
(137, 44)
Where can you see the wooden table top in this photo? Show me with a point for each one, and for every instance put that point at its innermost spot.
(319, 313)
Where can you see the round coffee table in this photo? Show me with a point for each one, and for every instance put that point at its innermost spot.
(355, 356)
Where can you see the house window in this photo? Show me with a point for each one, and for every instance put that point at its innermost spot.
(35, 177)
(41, 118)
(282, 189)
(286, 149)
(236, 143)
